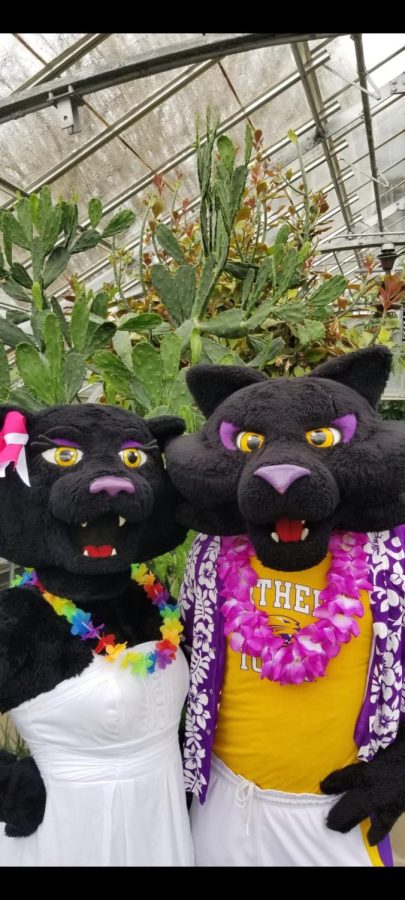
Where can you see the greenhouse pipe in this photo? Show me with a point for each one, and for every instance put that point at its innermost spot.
(154, 100)
(142, 109)
(65, 59)
(333, 166)
(368, 123)
(141, 66)
(358, 244)
(342, 123)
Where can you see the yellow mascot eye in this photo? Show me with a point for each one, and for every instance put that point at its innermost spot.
(249, 440)
(133, 457)
(323, 437)
(63, 456)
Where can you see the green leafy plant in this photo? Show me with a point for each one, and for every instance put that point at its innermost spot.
(392, 409)
(170, 567)
(10, 740)
(152, 378)
(237, 281)
(51, 357)
(235, 294)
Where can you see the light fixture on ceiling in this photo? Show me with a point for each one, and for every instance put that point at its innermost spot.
(387, 257)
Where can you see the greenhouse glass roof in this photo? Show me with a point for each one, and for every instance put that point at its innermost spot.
(74, 118)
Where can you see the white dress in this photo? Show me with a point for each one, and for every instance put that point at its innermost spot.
(106, 743)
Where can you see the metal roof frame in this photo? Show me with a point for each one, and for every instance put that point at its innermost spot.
(329, 129)
(368, 123)
(140, 66)
(63, 61)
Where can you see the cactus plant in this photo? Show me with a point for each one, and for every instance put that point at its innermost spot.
(222, 280)
(52, 358)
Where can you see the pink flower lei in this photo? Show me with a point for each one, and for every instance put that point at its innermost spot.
(307, 655)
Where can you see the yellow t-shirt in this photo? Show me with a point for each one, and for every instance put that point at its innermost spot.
(289, 737)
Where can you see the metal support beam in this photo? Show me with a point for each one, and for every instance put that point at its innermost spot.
(338, 266)
(285, 149)
(361, 241)
(10, 188)
(386, 193)
(368, 124)
(390, 210)
(340, 123)
(302, 55)
(63, 61)
(373, 93)
(356, 221)
(382, 172)
(381, 180)
(140, 66)
(337, 231)
(67, 107)
(398, 85)
(229, 122)
(134, 115)
(345, 262)
(393, 224)
(154, 100)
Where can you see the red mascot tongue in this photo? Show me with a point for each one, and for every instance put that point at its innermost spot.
(289, 529)
(104, 550)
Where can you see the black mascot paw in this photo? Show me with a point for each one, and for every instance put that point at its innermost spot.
(375, 789)
(22, 795)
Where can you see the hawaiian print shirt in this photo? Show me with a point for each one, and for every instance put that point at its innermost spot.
(384, 700)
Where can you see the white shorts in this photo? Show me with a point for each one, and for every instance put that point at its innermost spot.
(241, 825)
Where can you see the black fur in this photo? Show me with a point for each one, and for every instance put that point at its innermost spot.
(22, 795)
(209, 390)
(357, 485)
(41, 527)
(375, 789)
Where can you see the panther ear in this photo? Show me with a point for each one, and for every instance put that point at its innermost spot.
(165, 427)
(365, 371)
(28, 415)
(210, 385)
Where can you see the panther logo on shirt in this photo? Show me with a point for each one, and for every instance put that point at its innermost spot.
(284, 627)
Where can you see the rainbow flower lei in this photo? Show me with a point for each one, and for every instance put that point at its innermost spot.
(82, 625)
(308, 653)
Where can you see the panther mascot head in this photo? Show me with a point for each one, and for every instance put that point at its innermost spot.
(84, 491)
(287, 460)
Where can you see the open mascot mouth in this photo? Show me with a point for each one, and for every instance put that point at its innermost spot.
(289, 530)
(291, 544)
(296, 532)
(101, 538)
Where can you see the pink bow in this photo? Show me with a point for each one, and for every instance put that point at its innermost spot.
(13, 437)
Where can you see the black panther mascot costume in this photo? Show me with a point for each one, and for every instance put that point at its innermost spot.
(88, 668)
(293, 605)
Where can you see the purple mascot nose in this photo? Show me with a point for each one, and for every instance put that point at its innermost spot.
(281, 477)
(111, 485)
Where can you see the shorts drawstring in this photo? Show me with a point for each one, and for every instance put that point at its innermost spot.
(244, 797)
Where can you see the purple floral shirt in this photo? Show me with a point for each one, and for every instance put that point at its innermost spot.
(384, 700)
